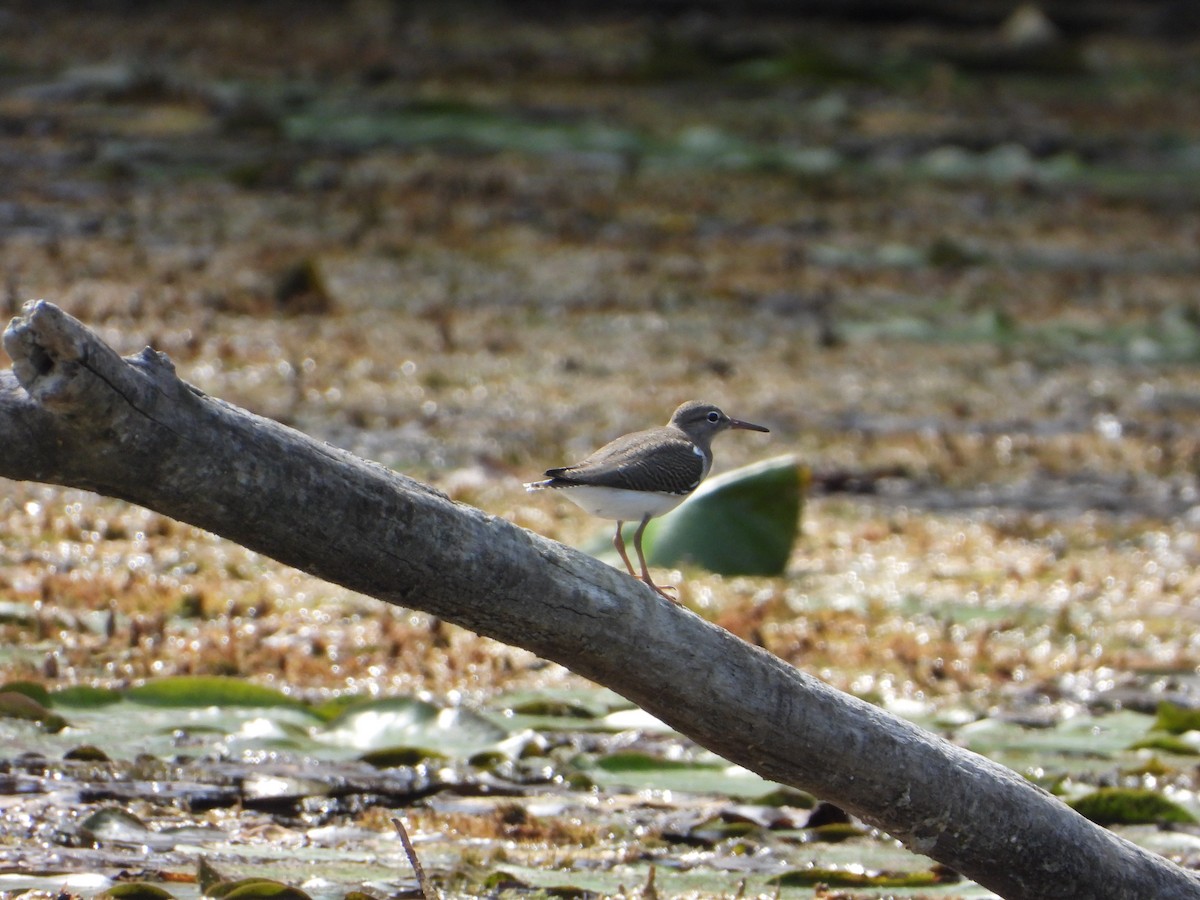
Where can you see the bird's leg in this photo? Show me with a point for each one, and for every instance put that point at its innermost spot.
(619, 543)
(637, 545)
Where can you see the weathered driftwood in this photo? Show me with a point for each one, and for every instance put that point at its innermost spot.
(73, 412)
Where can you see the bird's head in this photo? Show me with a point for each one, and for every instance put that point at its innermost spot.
(703, 421)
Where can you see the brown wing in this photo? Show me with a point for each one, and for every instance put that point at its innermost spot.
(657, 460)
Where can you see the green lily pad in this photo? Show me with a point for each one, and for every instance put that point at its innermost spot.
(256, 889)
(16, 705)
(83, 695)
(87, 753)
(407, 729)
(30, 689)
(741, 523)
(396, 757)
(117, 826)
(1129, 806)
(783, 795)
(502, 881)
(835, 832)
(208, 690)
(850, 878)
(136, 890)
(1169, 743)
(567, 703)
(1099, 738)
(640, 771)
(207, 875)
(1176, 719)
(557, 709)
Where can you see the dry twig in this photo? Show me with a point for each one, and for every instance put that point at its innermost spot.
(428, 889)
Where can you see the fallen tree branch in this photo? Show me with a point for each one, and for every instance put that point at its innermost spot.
(74, 413)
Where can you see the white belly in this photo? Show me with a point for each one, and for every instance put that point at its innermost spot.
(625, 506)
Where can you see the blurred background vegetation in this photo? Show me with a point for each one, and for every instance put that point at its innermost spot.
(946, 251)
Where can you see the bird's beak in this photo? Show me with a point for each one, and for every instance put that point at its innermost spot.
(749, 426)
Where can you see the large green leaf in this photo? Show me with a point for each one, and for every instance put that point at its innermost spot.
(741, 523)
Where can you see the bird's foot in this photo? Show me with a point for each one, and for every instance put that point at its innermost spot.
(666, 591)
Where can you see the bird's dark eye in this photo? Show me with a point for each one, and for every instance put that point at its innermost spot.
(714, 417)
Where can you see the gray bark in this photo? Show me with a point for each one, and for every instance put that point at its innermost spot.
(73, 412)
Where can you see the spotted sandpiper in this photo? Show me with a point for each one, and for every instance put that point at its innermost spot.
(645, 474)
